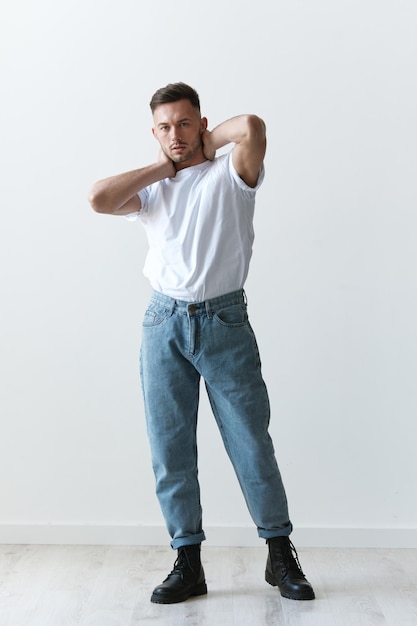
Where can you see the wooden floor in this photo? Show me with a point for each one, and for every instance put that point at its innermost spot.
(111, 586)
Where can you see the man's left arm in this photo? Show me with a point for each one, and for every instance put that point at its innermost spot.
(248, 133)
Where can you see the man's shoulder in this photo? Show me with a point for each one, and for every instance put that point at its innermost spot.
(220, 164)
(223, 159)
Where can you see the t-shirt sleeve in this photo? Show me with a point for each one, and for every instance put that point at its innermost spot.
(143, 197)
(241, 183)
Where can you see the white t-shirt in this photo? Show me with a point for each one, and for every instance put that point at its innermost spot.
(199, 226)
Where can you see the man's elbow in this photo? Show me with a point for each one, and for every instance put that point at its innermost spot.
(256, 127)
(254, 131)
(97, 200)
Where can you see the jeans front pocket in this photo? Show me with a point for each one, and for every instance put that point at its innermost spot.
(155, 314)
(232, 316)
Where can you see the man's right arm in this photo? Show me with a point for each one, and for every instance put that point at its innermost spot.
(117, 195)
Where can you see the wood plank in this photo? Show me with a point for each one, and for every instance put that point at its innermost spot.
(111, 586)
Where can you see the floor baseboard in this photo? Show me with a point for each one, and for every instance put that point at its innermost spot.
(102, 534)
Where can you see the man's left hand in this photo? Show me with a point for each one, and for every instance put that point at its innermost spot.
(208, 148)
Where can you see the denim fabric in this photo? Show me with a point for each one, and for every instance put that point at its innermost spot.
(182, 342)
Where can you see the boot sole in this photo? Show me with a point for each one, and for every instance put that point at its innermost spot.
(198, 590)
(271, 581)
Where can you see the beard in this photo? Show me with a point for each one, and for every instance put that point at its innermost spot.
(183, 155)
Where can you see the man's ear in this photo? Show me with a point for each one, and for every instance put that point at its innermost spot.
(153, 132)
(204, 124)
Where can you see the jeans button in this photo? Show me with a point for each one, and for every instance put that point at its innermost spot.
(192, 309)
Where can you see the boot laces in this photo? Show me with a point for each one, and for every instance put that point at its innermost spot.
(181, 565)
(289, 561)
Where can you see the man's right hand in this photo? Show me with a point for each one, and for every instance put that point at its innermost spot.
(169, 163)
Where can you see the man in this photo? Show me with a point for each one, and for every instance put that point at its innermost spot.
(198, 214)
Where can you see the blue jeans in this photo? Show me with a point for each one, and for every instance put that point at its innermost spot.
(182, 341)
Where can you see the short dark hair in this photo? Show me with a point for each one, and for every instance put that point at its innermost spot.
(174, 92)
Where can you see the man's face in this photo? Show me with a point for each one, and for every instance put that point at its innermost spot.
(178, 128)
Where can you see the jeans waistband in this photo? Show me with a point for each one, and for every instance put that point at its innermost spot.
(209, 306)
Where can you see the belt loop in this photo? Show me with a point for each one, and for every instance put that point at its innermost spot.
(245, 300)
(173, 304)
(208, 309)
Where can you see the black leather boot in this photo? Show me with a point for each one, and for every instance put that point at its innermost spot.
(186, 579)
(283, 570)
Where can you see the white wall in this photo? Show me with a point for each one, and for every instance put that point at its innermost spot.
(332, 288)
